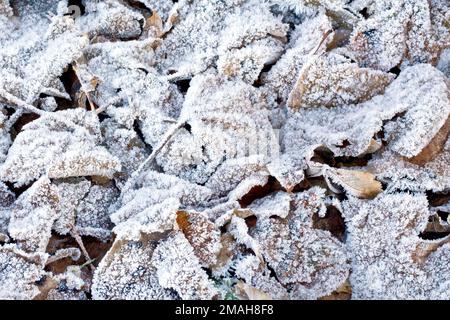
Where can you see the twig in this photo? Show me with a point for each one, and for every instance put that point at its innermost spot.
(13, 100)
(165, 139)
(85, 90)
(13, 119)
(74, 233)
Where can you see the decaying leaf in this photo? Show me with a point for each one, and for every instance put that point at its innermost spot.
(384, 247)
(33, 215)
(224, 149)
(202, 235)
(48, 146)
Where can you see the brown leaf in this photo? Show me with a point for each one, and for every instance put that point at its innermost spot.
(434, 147)
(201, 234)
(248, 292)
(155, 22)
(361, 184)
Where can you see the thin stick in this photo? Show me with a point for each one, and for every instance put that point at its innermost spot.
(74, 233)
(83, 87)
(13, 100)
(165, 139)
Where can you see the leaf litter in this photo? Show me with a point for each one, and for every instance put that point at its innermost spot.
(224, 149)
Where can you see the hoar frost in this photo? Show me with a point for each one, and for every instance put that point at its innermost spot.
(224, 149)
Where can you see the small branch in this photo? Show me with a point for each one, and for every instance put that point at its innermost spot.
(13, 119)
(13, 100)
(84, 89)
(165, 139)
(74, 233)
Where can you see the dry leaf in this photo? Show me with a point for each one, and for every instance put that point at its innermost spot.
(251, 293)
(361, 184)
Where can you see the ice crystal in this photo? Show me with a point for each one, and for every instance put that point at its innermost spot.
(19, 274)
(126, 272)
(33, 215)
(49, 146)
(224, 149)
(389, 259)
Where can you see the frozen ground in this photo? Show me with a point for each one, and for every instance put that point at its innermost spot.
(224, 149)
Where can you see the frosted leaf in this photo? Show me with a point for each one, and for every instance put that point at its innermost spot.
(246, 63)
(178, 268)
(31, 63)
(71, 193)
(401, 174)
(307, 204)
(227, 120)
(19, 273)
(202, 234)
(76, 163)
(388, 260)
(239, 230)
(256, 274)
(277, 203)
(111, 19)
(231, 172)
(289, 167)
(127, 146)
(311, 263)
(250, 41)
(127, 273)
(281, 78)
(190, 47)
(46, 145)
(158, 217)
(33, 215)
(92, 213)
(396, 32)
(425, 92)
(333, 80)
(156, 104)
(154, 188)
(308, 7)
(117, 65)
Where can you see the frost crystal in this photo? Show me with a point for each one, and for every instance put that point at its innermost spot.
(224, 149)
(19, 274)
(33, 215)
(389, 259)
(48, 146)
